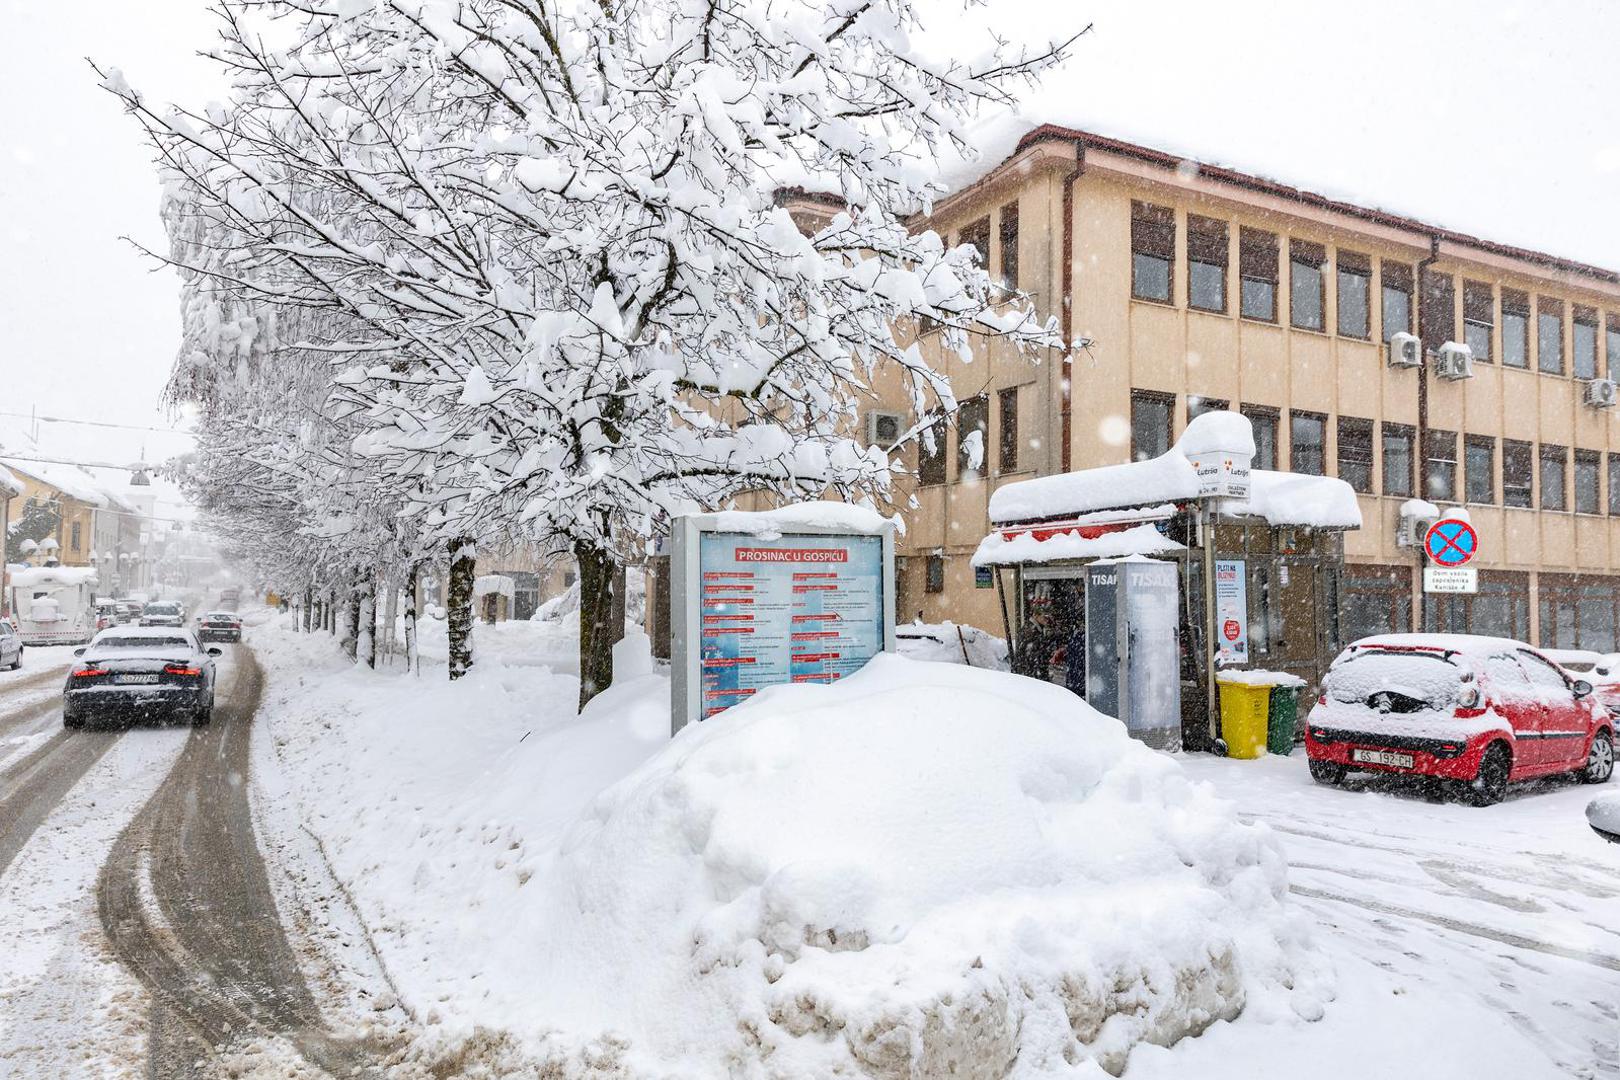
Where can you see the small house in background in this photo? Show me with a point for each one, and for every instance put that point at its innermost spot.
(492, 597)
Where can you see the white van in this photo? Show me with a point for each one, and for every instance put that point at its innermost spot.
(54, 605)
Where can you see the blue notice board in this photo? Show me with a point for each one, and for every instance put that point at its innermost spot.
(796, 608)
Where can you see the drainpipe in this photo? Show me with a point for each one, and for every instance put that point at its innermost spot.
(1066, 312)
(1423, 414)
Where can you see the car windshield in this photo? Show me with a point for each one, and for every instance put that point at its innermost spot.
(162, 609)
(1395, 681)
(131, 642)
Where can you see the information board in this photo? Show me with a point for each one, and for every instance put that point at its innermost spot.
(1231, 611)
(751, 612)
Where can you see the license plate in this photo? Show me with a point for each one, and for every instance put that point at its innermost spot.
(141, 677)
(1382, 757)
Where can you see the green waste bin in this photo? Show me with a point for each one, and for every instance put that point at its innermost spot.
(1283, 719)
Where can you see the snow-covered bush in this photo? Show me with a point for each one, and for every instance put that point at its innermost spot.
(922, 871)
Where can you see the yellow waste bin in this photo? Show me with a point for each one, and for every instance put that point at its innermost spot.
(1245, 709)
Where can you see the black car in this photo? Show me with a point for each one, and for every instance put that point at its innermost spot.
(219, 626)
(129, 672)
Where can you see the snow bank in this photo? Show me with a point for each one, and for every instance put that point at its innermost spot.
(1216, 432)
(1256, 677)
(951, 643)
(770, 524)
(1144, 539)
(922, 870)
(1167, 479)
(1321, 502)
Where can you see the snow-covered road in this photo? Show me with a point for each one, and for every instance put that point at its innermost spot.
(1462, 935)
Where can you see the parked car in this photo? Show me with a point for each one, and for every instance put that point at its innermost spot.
(219, 626)
(1603, 814)
(130, 672)
(1478, 712)
(128, 611)
(1602, 670)
(11, 646)
(106, 614)
(163, 613)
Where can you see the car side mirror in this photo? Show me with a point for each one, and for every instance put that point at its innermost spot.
(78, 651)
(1581, 687)
(215, 650)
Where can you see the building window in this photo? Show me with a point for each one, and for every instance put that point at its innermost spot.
(1208, 251)
(1398, 459)
(1150, 424)
(1197, 406)
(1307, 443)
(977, 236)
(1515, 328)
(1588, 499)
(1479, 319)
(1554, 487)
(1356, 453)
(1153, 250)
(74, 536)
(1577, 613)
(1583, 343)
(1517, 464)
(1007, 402)
(1377, 600)
(934, 574)
(1257, 270)
(1479, 468)
(1440, 478)
(973, 419)
(1355, 294)
(1611, 345)
(931, 453)
(1307, 290)
(1395, 299)
(1009, 247)
(1264, 423)
(1549, 336)
(1614, 484)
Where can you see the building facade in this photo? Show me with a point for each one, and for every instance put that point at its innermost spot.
(1203, 288)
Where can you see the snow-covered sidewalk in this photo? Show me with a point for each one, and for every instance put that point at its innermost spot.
(514, 885)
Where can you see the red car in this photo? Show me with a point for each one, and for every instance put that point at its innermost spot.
(1477, 712)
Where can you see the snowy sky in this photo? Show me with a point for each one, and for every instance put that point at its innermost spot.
(1495, 118)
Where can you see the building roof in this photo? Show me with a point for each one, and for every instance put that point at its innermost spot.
(73, 482)
(1182, 167)
(10, 486)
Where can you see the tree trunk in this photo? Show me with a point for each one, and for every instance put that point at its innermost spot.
(351, 622)
(390, 614)
(459, 605)
(366, 632)
(413, 593)
(331, 612)
(309, 600)
(599, 573)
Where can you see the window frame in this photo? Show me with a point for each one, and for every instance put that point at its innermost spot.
(1512, 451)
(931, 563)
(979, 404)
(1479, 310)
(1437, 441)
(1390, 271)
(1472, 443)
(1548, 307)
(1008, 238)
(1353, 264)
(1253, 247)
(1207, 236)
(1150, 223)
(1306, 257)
(976, 234)
(1545, 454)
(1269, 418)
(937, 459)
(1007, 430)
(1515, 304)
(1614, 482)
(1356, 433)
(1305, 416)
(1592, 460)
(1403, 433)
(1206, 404)
(1141, 399)
(1583, 316)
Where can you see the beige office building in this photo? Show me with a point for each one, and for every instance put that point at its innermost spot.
(1200, 288)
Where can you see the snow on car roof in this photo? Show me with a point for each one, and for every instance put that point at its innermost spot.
(1465, 644)
(160, 633)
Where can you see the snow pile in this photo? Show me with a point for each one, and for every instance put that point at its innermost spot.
(1256, 677)
(951, 643)
(1166, 479)
(494, 585)
(566, 603)
(825, 514)
(1220, 431)
(1320, 502)
(922, 870)
(999, 549)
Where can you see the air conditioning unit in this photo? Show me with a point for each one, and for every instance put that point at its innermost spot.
(1413, 528)
(1405, 350)
(1454, 361)
(1602, 393)
(884, 428)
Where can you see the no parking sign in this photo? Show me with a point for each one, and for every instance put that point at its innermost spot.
(1451, 544)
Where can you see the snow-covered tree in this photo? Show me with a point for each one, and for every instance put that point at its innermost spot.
(559, 284)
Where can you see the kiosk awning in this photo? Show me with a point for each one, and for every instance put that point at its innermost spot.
(1071, 541)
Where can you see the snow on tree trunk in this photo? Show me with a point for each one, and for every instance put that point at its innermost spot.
(459, 605)
(599, 572)
(390, 614)
(350, 639)
(413, 592)
(366, 628)
(309, 600)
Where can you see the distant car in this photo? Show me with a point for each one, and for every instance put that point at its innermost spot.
(1602, 670)
(106, 614)
(140, 671)
(128, 611)
(163, 613)
(230, 598)
(11, 646)
(219, 626)
(1476, 711)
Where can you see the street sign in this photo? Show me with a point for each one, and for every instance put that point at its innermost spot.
(1451, 579)
(1451, 542)
(1221, 474)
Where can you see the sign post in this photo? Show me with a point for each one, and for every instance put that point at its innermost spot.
(1451, 544)
(752, 609)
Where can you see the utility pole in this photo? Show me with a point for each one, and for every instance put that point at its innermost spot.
(1421, 292)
